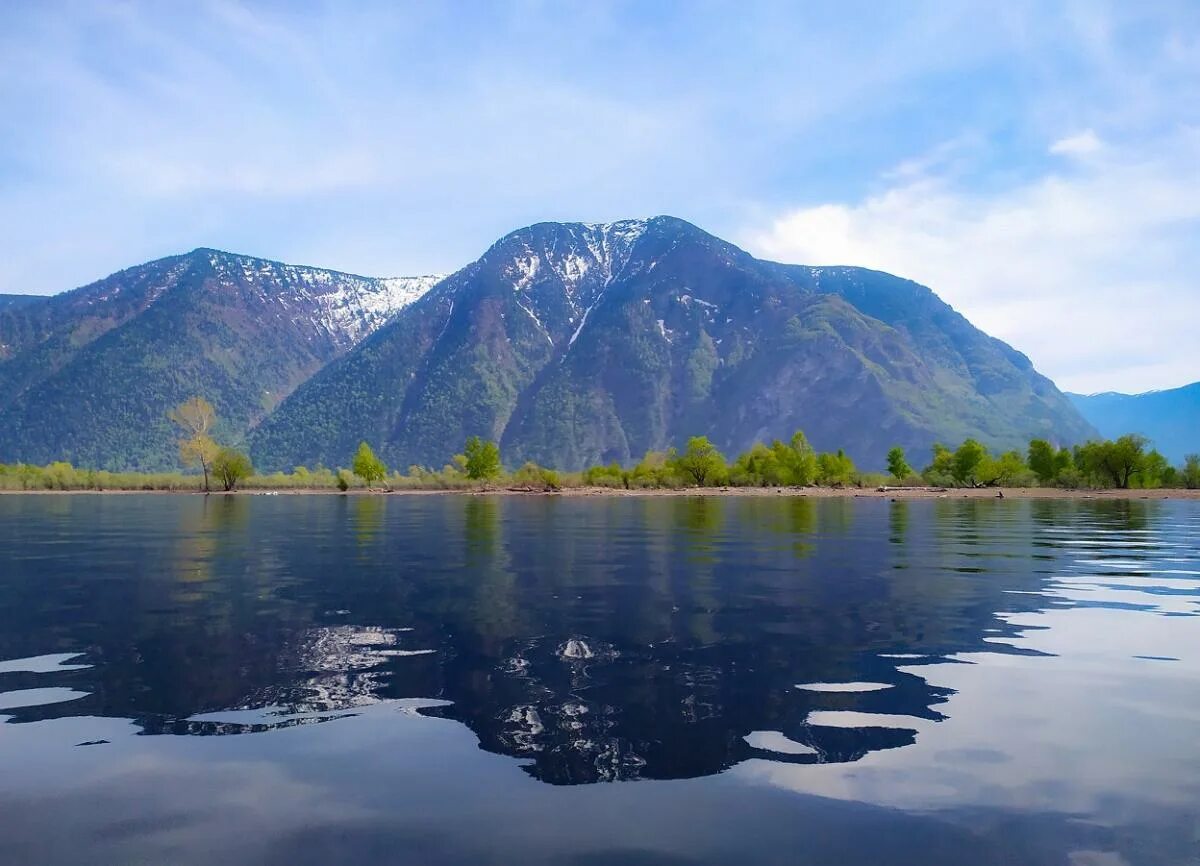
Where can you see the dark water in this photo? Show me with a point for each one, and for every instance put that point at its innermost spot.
(651, 681)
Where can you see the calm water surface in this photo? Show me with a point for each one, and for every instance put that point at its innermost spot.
(444, 680)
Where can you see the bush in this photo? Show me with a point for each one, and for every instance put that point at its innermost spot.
(612, 476)
(532, 475)
(230, 467)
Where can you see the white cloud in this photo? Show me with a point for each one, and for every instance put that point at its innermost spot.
(1093, 273)
(1080, 144)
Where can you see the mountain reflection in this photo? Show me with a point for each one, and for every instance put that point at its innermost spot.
(595, 639)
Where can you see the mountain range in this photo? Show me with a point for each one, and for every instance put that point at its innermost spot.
(568, 343)
(1169, 418)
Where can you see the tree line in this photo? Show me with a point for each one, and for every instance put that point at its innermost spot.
(1123, 463)
(1126, 462)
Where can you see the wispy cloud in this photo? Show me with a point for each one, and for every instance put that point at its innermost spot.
(1090, 271)
(1067, 224)
(1081, 144)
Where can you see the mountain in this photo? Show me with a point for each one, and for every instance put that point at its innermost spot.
(12, 302)
(1170, 419)
(89, 375)
(577, 343)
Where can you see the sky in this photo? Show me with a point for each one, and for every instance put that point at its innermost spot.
(1036, 163)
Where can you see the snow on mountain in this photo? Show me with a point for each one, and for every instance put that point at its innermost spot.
(358, 307)
(348, 307)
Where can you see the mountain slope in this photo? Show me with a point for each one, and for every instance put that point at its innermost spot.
(576, 343)
(1170, 419)
(12, 302)
(88, 376)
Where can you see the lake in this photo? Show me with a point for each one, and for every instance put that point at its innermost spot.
(650, 680)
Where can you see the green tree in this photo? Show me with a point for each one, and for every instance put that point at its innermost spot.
(700, 463)
(195, 418)
(231, 466)
(897, 464)
(1044, 461)
(367, 466)
(940, 469)
(653, 470)
(966, 463)
(758, 467)
(1190, 475)
(612, 475)
(797, 460)
(1113, 463)
(482, 459)
(1008, 468)
(1155, 471)
(835, 469)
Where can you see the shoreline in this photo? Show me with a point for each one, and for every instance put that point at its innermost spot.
(892, 493)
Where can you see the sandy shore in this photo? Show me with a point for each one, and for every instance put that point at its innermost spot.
(809, 492)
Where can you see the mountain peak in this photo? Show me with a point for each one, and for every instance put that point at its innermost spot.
(576, 343)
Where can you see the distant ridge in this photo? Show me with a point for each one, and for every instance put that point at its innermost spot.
(1169, 417)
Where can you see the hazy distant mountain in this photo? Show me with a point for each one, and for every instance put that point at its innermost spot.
(575, 343)
(88, 376)
(1171, 419)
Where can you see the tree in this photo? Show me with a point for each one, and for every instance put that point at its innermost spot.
(939, 470)
(1190, 476)
(700, 462)
(482, 459)
(195, 418)
(611, 475)
(231, 466)
(1116, 462)
(1043, 460)
(367, 466)
(835, 469)
(897, 464)
(1005, 469)
(654, 470)
(1156, 471)
(758, 467)
(967, 459)
(797, 459)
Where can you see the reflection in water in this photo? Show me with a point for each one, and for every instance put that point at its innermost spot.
(605, 640)
(897, 521)
(368, 518)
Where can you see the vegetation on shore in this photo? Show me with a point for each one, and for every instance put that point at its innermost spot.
(1124, 463)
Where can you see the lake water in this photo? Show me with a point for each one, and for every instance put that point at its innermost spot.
(659, 680)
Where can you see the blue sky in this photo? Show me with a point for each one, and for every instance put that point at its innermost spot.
(1036, 163)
